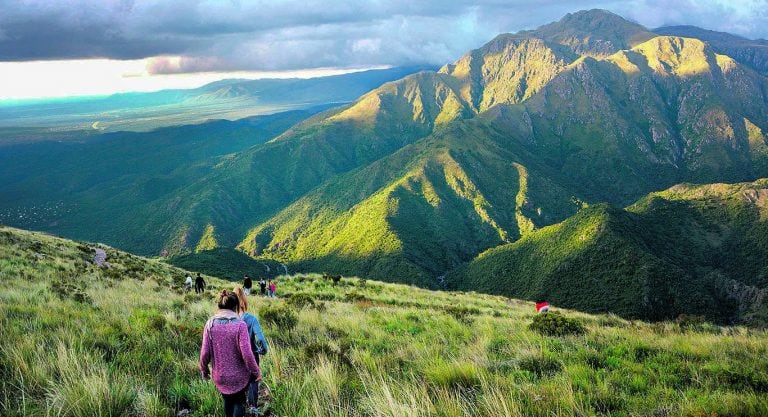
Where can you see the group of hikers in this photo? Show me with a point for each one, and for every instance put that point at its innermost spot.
(199, 284)
(268, 289)
(233, 341)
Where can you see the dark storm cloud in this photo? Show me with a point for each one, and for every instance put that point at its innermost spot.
(289, 34)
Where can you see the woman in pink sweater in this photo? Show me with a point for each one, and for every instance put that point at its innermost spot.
(227, 347)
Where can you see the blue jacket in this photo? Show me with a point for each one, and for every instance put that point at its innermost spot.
(255, 332)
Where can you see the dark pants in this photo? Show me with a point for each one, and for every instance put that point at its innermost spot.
(253, 392)
(234, 404)
(198, 289)
(253, 385)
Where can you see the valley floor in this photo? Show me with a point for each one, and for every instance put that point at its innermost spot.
(78, 340)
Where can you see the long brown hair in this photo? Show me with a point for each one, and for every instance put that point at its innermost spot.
(242, 299)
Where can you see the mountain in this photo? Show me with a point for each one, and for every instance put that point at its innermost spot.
(507, 70)
(24, 121)
(125, 340)
(753, 53)
(691, 249)
(133, 184)
(601, 130)
(263, 180)
(420, 175)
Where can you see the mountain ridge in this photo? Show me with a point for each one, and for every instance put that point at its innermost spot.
(419, 175)
(651, 157)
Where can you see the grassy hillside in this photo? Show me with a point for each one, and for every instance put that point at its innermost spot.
(698, 250)
(125, 341)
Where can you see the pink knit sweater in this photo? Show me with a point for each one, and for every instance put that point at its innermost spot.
(227, 347)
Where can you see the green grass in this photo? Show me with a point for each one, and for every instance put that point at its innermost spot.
(361, 348)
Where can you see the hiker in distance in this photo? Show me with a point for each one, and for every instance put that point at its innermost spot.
(272, 289)
(263, 287)
(247, 284)
(227, 347)
(199, 284)
(258, 346)
(188, 283)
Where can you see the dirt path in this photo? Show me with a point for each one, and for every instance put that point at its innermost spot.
(100, 258)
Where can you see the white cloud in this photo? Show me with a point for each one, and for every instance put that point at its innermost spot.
(294, 34)
(38, 79)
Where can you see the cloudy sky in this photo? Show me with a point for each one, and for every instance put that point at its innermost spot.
(67, 47)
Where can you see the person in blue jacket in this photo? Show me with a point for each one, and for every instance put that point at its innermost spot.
(258, 345)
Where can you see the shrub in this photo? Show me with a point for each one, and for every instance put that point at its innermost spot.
(354, 296)
(71, 290)
(331, 277)
(540, 365)
(556, 324)
(301, 300)
(282, 317)
(694, 323)
(314, 349)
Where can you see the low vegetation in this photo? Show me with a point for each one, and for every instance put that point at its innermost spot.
(80, 340)
(693, 250)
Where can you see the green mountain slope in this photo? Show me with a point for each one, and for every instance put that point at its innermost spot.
(85, 190)
(698, 250)
(260, 182)
(161, 190)
(612, 129)
(417, 213)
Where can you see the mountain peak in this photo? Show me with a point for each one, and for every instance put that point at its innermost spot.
(594, 32)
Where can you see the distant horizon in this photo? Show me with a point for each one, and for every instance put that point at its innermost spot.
(153, 83)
